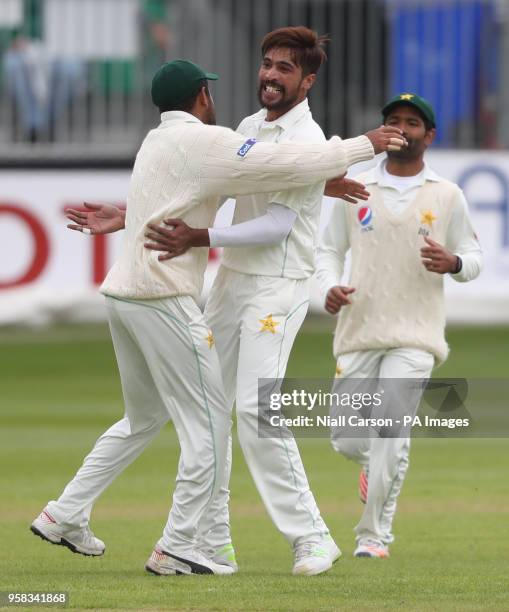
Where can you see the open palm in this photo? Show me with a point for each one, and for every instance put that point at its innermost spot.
(97, 219)
(347, 189)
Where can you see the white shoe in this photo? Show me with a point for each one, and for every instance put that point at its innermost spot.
(311, 559)
(367, 547)
(332, 548)
(79, 540)
(163, 563)
(223, 556)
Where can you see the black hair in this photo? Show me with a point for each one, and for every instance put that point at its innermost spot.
(305, 44)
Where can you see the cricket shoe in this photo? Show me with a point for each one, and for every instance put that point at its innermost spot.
(332, 548)
(366, 547)
(363, 485)
(223, 556)
(163, 563)
(311, 559)
(78, 540)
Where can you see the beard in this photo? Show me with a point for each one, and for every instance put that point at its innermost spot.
(413, 151)
(283, 102)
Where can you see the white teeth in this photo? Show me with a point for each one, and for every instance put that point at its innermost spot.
(272, 89)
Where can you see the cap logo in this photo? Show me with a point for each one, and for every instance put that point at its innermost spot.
(406, 96)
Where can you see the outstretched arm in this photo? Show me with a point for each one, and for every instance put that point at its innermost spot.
(237, 167)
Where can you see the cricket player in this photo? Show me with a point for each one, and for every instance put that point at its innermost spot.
(413, 230)
(260, 299)
(165, 352)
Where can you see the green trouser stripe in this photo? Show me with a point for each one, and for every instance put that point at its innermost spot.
(292, 471)
(285, 253)
(198, 366)
(284, 329)
(204, 394)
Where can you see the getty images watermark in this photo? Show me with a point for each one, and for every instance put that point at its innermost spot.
(386, 408)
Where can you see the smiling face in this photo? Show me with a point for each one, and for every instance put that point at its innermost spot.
(411, 122)
(281, 84)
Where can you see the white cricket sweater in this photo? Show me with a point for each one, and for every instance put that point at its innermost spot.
(397, 302)
(181, 169)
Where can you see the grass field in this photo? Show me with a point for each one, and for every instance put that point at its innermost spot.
(60, 390)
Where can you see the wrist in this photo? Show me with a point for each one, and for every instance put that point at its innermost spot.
(200, 238)
(457, 265)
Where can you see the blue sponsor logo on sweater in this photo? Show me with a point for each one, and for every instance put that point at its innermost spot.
(244, 149)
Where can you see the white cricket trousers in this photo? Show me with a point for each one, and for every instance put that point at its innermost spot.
(385, 459)
(169, 370)
(255, 320)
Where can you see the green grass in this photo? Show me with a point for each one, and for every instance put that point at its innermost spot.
(60, 390)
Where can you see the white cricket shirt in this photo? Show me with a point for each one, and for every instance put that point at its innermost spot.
(294, 256)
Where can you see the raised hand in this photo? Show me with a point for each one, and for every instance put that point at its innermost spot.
(387, 138)
(97, 219)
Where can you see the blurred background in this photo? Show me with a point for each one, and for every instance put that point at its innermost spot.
(75, 106)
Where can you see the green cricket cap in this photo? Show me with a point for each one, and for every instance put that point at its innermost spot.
(176, 81)
(411, 99)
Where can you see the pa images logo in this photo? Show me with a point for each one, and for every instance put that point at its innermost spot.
(365, 217)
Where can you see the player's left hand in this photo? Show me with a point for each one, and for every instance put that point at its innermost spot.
(174, 239)
(337, 297)
(436, 258)
(347, 189)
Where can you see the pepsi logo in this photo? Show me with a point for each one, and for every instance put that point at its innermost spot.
(365, 215)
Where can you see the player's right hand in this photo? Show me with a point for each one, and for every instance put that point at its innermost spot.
(347, 189)
(337, 297)
(96, 219)
(387, 138)
(174, 240)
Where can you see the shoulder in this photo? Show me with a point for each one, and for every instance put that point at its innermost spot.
(218, 133)
(182, 130)
(199, 140)
(251, 121)
(441, 182)
(448, 189)
(306, 129)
